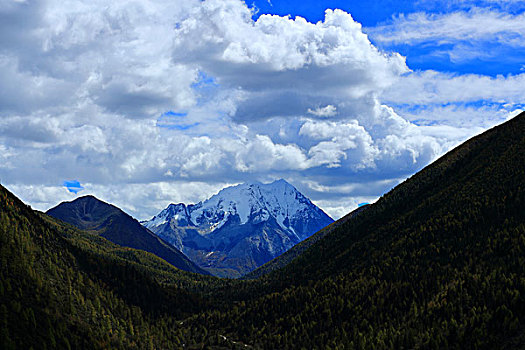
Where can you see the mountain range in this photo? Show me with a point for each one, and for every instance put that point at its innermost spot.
(438, 262)
(240, 228)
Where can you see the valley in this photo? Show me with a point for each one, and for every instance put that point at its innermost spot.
(437, 262)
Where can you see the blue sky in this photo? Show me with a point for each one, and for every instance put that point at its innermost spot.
(368, 13)
(425, 55)
(73, 186)
(150, 103)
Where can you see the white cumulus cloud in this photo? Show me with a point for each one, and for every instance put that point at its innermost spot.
(146, 103)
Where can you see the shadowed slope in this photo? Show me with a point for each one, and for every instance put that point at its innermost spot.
(108, 221)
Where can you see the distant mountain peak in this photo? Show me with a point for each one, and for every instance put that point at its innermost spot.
(88, 197)
(267, 219)
(90, 213)
(88, 200)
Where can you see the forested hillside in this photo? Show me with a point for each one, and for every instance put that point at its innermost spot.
(65, 288)
(438, 262)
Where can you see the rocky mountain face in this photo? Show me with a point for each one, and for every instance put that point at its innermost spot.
(240, 228)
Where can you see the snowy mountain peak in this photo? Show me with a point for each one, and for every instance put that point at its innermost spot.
(252, 201)
(269, 218)
(177, 212)
(175, 208)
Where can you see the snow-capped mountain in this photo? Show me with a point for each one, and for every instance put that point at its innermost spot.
(240, 228)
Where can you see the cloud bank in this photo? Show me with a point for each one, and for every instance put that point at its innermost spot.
(151, 103)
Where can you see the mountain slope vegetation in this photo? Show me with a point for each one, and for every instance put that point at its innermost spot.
(437, 263)
(49, 300)
(61, 287)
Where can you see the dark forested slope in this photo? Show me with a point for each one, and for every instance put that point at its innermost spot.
(49, 300)
(458, 202)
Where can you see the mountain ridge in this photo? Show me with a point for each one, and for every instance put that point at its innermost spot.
(104, 219)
